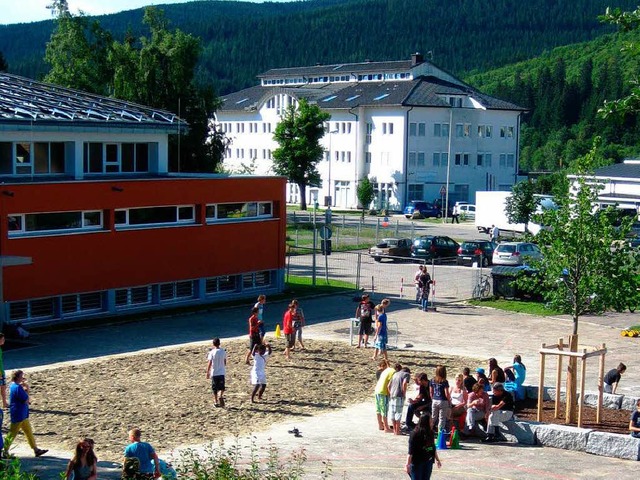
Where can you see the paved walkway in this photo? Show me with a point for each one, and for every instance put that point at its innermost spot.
(349, 438)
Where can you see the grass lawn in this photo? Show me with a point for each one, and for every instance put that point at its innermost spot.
(520, 306)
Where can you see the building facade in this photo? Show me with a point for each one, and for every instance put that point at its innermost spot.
(413, 129)
(99, 225)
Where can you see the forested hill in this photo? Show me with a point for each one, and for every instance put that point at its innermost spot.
(243, 39)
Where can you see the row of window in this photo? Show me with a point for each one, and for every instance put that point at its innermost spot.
(46, 158)
(415, 191)
(440, 159)
(80, 221)
(463, 130)
(367, 77)
(339, 156)
(94, 302)
(251, 127)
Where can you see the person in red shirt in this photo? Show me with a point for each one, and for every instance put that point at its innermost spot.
(288, 330)
(254, 333)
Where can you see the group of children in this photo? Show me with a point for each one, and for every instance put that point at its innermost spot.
(366, 312)
(465, 404)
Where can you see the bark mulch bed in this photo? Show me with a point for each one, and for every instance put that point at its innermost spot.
(613, 421)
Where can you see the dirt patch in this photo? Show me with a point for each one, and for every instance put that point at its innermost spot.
(167, 395)
(613, 421)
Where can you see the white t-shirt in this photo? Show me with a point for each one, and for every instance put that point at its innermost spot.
(258, 370)
(217, 357)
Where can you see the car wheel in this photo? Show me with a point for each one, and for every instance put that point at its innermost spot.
(438, 215)
(377, 259)
(485, 262)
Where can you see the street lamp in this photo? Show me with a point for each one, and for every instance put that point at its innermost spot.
(330, 196)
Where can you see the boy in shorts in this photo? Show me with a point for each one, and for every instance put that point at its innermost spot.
(216, 370)
(382, 396)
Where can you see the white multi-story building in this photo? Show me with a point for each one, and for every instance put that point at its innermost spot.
(412, 128)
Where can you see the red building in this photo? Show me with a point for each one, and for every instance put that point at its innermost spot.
(87, 196)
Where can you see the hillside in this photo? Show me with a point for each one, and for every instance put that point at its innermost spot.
(242, 39)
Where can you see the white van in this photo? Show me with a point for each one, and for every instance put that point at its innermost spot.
(468, 210)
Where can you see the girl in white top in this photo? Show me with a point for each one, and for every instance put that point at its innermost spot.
(258, 375)
(458, 396)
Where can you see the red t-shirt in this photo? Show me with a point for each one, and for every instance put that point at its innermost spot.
(287, 323)
(253, 325)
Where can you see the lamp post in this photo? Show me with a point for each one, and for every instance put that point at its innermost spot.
(330, 162)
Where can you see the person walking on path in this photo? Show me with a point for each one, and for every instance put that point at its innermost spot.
(380, 340)
(425, 286)
(262, 299)
(83, 464)
(298, 323)
(416, 282)
(254, 333)
(612, 378)
(364, 313)
(258, 375)
(19, 408)
(144, 453)
(216, 371)
(422, 451)
(288, 331)
(494, 233)
(455, 214)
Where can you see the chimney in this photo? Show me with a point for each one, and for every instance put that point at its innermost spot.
(416, 59)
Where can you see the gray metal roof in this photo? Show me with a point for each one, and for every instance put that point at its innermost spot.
(26, 100)
(619, 170)
(420, 92)
(339, 69)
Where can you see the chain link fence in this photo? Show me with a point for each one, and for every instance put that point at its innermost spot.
(393, 277)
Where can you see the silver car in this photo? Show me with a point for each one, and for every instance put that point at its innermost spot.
(515, 253)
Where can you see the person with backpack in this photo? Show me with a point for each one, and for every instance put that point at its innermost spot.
(364, 313)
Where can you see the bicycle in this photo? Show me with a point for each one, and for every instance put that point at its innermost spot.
(483, 288)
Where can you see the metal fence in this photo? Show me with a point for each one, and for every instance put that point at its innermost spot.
(392, 278)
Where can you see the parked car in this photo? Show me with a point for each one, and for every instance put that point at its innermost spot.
(425, 209)
(515, 253)
(391, 248)
(480, 251)
(468, 210)
(427, 247)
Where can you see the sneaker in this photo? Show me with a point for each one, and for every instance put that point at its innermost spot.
(39, 452)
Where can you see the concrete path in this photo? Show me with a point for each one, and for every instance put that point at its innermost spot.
(349, 438)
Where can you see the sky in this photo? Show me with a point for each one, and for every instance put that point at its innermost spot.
(24, 11)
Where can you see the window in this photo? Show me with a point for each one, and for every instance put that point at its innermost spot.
(457, 159)
(176, 291)
(422, 127)
(81, 303)
(421, 159)
(484, 131)
(239, 211)
(436, 159)
(367, 157)
(46, 223)
(444, 159)
(503, 159)
(413, 129)
(369, 132)
(134, 217)
(256, 279)
(41, 308)
(412, 159)
(225, 283)
(510, 160)
(440, 129)
(463, 130)
(480, 159)
(465, 159)
(506, 132)
(416, 192)
(467, 130)
(131, 297)
(116, 157)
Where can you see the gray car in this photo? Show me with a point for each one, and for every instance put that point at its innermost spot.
(515, 253)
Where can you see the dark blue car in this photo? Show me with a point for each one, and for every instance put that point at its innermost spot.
(426, 210)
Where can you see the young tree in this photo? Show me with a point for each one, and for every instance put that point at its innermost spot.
(365, 193)
(521, 204)
(298, 135)
(585, 258)
(77, 52)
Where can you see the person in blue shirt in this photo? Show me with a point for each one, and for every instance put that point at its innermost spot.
(19, 410)
(144, 452)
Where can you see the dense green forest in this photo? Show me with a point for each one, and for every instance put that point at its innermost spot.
(506, 48)
(241, 40)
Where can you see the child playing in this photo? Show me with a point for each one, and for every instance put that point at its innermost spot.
(216, 370)
(260, 355)
(634, 423)
(380, 340)
(397, 392)
(382, 396)
(254, 333)
(439, 390)
(421, 402)
(262, 299)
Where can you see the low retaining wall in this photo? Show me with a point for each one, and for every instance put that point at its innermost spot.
(573, 438)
